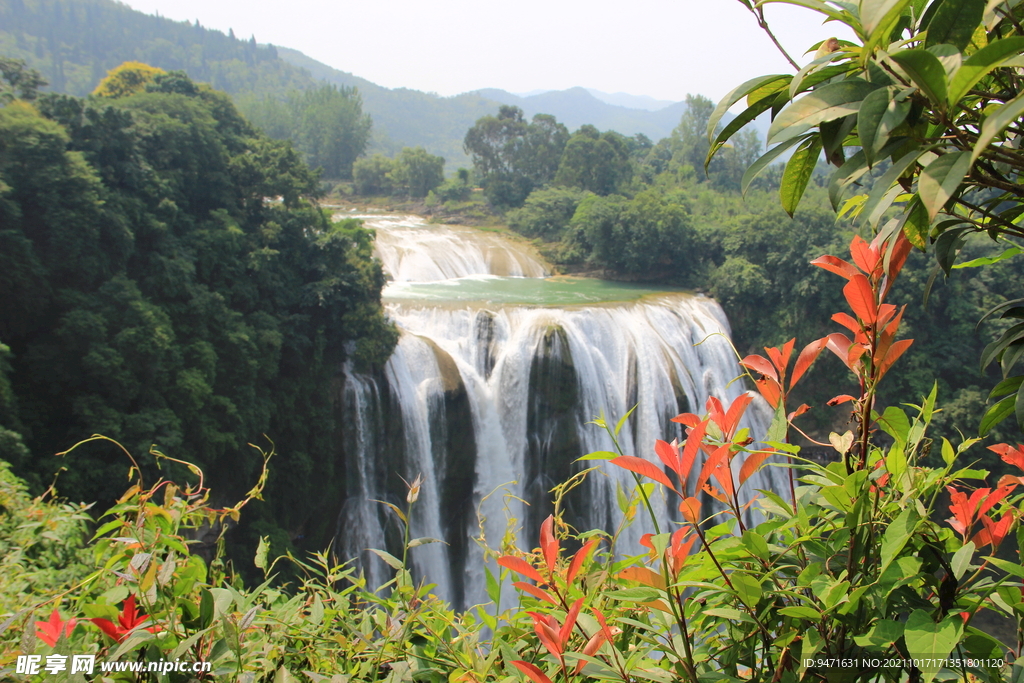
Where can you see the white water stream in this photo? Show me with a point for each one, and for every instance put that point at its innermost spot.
(490, 390)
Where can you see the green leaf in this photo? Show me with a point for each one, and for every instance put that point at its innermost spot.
(756, 544)
(801, 612)
(881, 635)
(915, 223)
(493, 587)
(940, 180)
(989, 260)
(996, 414)
(747, 587)
(798, 172)
(261, 553)
(978, 65)
(876, 14)
(996, 123)
(1009, 336)
(598, 455)
(880, 113)
(748, 115)
(948, 246)
(954, 22)
(1010, 385)
(832, 101)
(754, 84)
(206, 609)
(766, 159)
(622, 420)
(885, 189)
(927, 640)
(896, 536)
(815, 5)
(961, 561)
(926, 71)
(638, 594)
(424, 540)
(388, 558)
(878, 17)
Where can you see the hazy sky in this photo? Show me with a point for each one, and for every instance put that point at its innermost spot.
(661, 48)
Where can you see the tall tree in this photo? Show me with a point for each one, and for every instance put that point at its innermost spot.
(513, 157)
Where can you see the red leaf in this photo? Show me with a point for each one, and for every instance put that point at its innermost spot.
(520, 566)
(770, 389)
(669, 455)
(736, 410)
(760, 364)
(548, 543)
(847, 321)
(643, 575)
(688, 419)
(690, 509)
(963, 511)
(680, 550)
(643, 468)
(839, 344)
(787, 353)
(579, 558)
(570, 622)
(898, 257)
(715, 411)
(531, 670)
(861, 298)
(50, 631)
(591, 648)
(604, 625)
(892, 355)
(752, 464)
(841, 398)
(798, 412)
(538, 593)
(693, 443)
(993, 498)
(836, 265)
(864, 255)
(547, 633)
(997, 530)
(1011, 456)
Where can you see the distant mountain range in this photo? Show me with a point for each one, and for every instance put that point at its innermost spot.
(75, 42)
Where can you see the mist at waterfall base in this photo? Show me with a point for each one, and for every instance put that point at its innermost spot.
(490, 390)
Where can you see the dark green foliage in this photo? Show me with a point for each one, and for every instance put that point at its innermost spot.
(165, 280)
(647, 236)
(595, 162)
(372, 175)
(546, 213)
(417, 172)
(512, 157)
(414, 173)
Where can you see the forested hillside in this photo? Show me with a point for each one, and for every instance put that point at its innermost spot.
(167, 277)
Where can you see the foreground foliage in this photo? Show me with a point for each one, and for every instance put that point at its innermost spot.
(921, 118)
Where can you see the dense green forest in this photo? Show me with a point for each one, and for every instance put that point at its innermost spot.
(167, 276)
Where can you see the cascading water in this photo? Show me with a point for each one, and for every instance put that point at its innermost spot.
(490, 389)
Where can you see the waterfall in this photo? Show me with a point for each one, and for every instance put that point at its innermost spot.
(489, 399)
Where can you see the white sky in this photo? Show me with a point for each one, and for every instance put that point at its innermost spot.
(661, 48)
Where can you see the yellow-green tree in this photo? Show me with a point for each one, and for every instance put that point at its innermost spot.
(127, 79)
